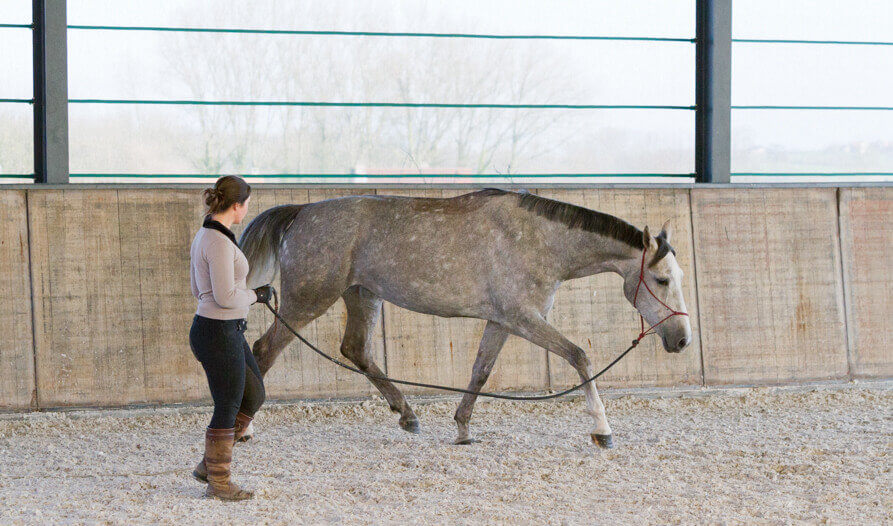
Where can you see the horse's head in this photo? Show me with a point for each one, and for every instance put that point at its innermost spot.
(660, 291)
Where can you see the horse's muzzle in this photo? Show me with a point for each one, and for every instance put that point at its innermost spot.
(677, 346)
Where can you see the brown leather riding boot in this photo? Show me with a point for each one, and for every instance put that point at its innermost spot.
(242, 423)
(218, 458)
(201, 471)
(240, 435)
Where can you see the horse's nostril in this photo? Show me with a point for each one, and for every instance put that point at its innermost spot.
(683, 342)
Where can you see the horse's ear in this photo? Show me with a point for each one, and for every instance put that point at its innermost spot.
(666, 231)
(646, 239)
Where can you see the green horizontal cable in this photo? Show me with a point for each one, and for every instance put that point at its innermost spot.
(378, 104)
(811, 174)
(843, 108)
(17, 101)
(831, 42)
(16, 176)
(15, 26)
(348, 176)
(373, 33)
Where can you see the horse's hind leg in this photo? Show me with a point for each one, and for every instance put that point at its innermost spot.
(297, 311)
(268, 347)
(363, 310)
(297, 314)
(491, 343)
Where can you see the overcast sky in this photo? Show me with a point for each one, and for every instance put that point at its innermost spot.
(131, 65)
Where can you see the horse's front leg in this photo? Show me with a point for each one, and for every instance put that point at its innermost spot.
(537, 330)
(491, 343)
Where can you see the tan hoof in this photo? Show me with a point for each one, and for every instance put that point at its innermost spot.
(411, 425)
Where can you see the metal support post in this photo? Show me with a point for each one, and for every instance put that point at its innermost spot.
(50, 92)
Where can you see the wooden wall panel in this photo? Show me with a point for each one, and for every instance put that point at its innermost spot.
(113, 269)
(593, 312)
(156, 232)
(16, 345)
(442, 350)
(112, 304)
(769, 281)
(85, 306)
(866, 224)
(299, 372)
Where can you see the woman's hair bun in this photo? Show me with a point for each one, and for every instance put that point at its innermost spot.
(212, 197)
(226, 191)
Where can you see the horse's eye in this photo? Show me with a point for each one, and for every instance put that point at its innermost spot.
(663, 282)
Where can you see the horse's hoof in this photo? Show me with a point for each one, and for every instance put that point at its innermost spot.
(465, 441)
(411, 426)
(603, 441)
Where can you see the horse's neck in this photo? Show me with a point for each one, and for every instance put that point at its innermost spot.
(586, 253)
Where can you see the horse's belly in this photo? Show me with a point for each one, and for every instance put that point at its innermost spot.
(434, 299)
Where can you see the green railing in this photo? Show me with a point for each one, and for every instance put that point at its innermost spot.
(376, 33)
(410, 104)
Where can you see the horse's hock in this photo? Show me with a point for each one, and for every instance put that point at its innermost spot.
(784, 285)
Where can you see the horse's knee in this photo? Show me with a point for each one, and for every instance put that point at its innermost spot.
(578, 359)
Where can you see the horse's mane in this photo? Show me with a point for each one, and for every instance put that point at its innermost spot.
(583, 218)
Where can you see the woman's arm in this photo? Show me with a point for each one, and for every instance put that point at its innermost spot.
(220, 256)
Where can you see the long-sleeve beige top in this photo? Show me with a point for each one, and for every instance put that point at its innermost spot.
(217, 273)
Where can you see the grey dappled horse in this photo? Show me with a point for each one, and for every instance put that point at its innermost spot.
(491, 254)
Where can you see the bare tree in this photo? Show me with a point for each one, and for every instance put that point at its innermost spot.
(311, 139)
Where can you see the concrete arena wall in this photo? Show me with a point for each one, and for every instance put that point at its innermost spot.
(783, 285)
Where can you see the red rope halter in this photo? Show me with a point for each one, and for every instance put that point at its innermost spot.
(636, 298)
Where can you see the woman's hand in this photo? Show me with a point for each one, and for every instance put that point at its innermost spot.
(264, 294)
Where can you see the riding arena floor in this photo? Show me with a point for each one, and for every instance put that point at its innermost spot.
(815, 454)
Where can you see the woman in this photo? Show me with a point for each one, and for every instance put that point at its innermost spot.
(218, 271)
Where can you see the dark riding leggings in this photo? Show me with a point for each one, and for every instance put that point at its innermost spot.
(233, 376)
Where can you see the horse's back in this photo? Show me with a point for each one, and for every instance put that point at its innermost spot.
(392, 214)
(467, 203)
(437, 220)
(371, 225)
(431, 255)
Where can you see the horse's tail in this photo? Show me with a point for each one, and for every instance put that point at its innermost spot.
(261, 240)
